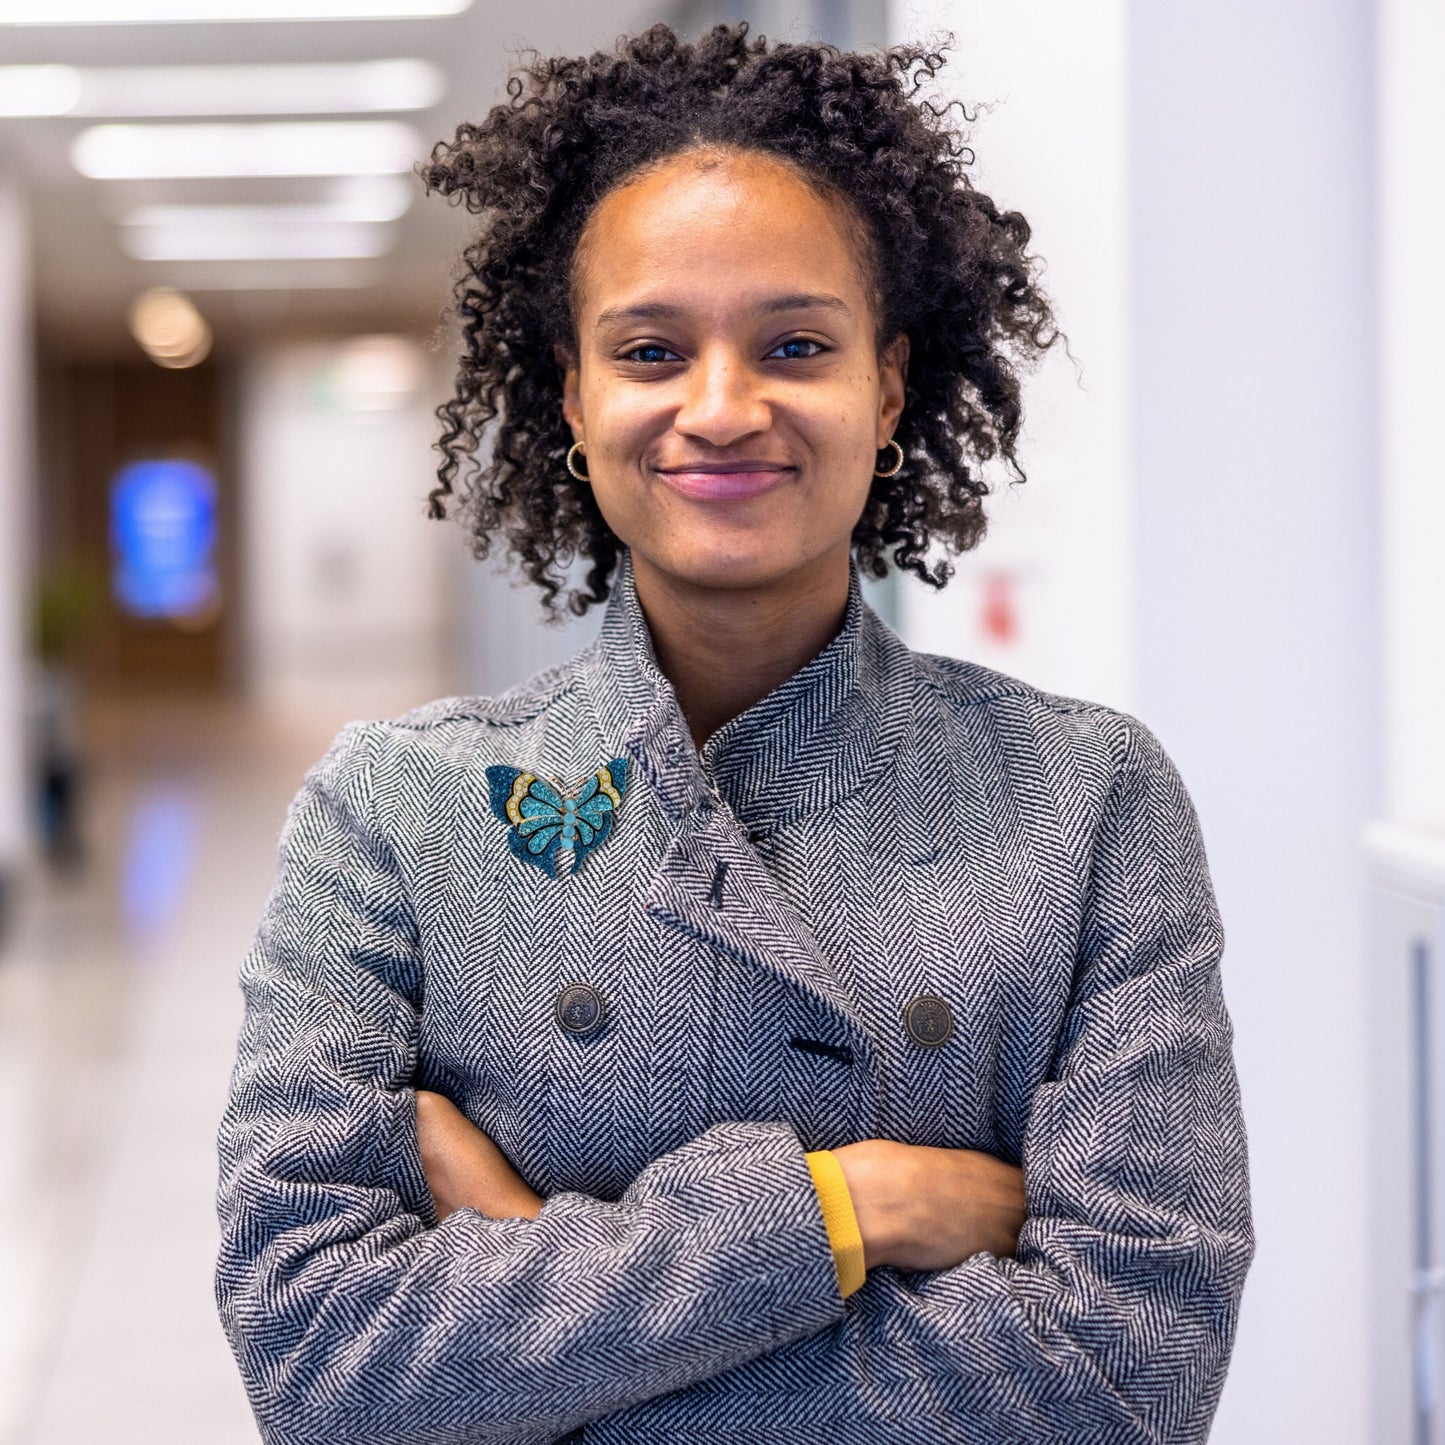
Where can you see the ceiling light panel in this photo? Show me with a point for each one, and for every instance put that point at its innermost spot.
(153, 12)
(256, 243)
(301, 148)
(182, 90)
(223, 220)
(376, 199)
(38, 89)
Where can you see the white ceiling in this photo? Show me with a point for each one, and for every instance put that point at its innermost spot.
(84, 281)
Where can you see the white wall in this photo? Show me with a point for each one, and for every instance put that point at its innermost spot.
(505, 635)
(1254, 406)
(1052, 143)
(1412, 384)
(16, 411)
(1407, 912)
(346, 595)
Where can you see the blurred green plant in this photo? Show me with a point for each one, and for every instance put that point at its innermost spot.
(68, 600)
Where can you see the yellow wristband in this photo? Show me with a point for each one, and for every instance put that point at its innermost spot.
(839, 1220)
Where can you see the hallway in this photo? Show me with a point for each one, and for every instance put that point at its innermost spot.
(118, 1015)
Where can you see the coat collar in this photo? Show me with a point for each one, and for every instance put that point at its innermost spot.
(823, 734)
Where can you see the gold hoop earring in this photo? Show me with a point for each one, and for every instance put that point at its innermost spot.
(572, 452)
(897, 466)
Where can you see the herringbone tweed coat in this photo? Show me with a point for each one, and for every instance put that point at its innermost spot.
(885, 827)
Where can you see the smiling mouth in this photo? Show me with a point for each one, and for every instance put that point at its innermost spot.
(732, 482)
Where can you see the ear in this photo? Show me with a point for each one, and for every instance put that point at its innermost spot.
(571, 390)
(892, 386)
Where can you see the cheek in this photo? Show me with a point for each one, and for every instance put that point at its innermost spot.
(629, 507)
(618, 421)
(842, 435)
(845, 416)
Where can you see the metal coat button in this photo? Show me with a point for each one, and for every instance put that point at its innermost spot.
(579, 1009)
(929, 1021)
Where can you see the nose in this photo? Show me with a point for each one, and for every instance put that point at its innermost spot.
(724, 401)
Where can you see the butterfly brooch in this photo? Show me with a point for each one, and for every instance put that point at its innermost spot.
(544, 821)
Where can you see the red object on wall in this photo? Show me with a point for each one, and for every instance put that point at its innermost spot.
(999, 614)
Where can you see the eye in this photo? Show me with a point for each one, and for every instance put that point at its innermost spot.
(650, 352)
(790, 350)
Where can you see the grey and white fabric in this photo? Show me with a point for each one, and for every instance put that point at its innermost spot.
(886, 827)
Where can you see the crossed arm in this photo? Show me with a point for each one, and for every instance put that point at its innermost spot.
(917, 1208)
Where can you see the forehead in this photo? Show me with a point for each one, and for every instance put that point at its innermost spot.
(712, 229)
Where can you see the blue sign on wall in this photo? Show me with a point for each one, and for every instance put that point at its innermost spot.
(163, 529)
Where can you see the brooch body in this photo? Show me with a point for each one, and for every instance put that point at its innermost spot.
(545, 821)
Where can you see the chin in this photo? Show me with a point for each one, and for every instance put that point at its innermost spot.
(725, 566)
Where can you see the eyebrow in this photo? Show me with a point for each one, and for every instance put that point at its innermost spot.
(664, 311)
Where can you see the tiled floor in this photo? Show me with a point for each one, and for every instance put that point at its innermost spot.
(118, 1015)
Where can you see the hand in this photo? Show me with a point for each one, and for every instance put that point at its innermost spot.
(464, 1168)
(925, 1208)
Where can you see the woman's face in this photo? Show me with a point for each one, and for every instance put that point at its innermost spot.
(728, 389)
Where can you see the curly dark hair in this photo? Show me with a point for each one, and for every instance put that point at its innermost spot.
(958, 279)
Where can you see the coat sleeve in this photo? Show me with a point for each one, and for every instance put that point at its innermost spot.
(1115, 1320)
(353, 1315)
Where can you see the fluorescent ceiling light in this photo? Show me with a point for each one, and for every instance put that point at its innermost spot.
(265, 243)
(348, 224)
(371, 198)
(38, 89)
(374, 199)
(151, 12)
(178, 90)
(299, 148)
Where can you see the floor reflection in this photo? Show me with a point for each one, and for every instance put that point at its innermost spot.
(159, 855)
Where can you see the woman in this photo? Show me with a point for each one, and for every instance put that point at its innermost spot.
(751, 1026)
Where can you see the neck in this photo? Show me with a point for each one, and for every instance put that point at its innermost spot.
(724, 650)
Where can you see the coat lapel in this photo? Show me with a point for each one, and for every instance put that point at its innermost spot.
(713, 887)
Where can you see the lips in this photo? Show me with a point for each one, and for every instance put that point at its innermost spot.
(713, 485)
